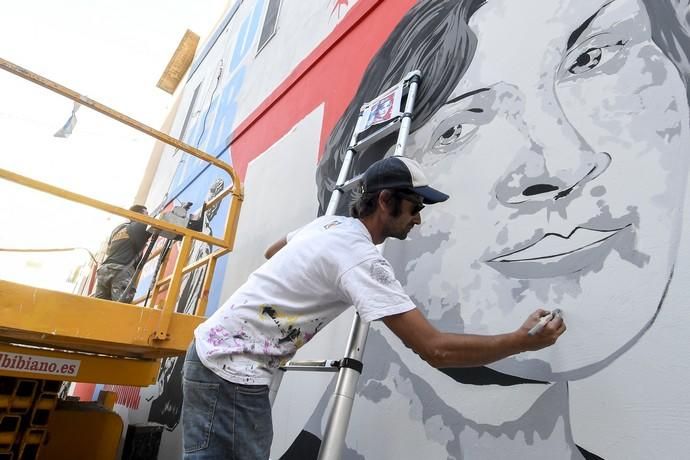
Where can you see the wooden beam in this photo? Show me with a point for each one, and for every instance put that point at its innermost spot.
(179, 63)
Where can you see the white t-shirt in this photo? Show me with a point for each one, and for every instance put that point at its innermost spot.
(326, 266)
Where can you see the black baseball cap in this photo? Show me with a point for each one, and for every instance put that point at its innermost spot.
(400, 173)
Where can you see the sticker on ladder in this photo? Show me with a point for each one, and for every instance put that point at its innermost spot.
(382, 109)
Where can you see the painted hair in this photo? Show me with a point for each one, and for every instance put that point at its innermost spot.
(434, 37)
(670, 22)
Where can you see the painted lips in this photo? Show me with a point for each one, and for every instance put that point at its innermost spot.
(558, 255)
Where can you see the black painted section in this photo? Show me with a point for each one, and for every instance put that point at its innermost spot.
(589, 455)
(485, 376)
(305, 447)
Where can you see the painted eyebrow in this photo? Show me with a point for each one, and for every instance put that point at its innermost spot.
(465, 95)
(577, 32)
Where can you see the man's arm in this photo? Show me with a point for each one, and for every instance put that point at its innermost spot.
(442, 349)
(138, 236)
(275, 247)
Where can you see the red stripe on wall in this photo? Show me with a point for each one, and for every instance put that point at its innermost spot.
(330, 75)
(127, 396)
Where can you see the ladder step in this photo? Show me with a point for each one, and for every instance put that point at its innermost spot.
(350, 184)
(391, 127)
(328, 365)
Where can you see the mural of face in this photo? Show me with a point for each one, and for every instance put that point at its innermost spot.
(564, 151)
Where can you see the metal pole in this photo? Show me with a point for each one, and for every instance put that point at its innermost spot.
(414, 78)
(343, 174)
(275, 385)
(343, 397)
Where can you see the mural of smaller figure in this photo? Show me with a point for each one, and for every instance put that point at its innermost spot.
(166, 406)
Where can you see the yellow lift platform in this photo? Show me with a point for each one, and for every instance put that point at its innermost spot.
(47, 337)
(106, 341)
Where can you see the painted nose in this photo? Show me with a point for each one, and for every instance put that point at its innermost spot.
(551, 159)
(549, 186)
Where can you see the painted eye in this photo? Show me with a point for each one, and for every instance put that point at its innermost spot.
(586, 61)
(448, 139)
(593, 57)
(451, 135)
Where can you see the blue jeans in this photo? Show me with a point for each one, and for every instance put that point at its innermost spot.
(223, 420)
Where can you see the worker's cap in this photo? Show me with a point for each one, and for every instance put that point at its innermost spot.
(400, 173)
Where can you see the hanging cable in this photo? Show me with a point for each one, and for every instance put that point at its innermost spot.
(50, 250)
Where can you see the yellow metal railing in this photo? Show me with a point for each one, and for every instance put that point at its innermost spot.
(209, 261)
(172, 282)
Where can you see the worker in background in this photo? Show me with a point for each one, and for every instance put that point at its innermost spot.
(125, 246)
(313, 275)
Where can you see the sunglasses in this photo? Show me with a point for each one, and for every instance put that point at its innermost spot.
(414, 199)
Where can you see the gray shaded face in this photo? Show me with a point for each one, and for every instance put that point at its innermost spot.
(564, 151)
(215, 189)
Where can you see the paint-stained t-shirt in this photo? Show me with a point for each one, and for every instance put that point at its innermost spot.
(327, 266)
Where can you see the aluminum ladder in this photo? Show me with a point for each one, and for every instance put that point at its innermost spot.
(377, 119)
